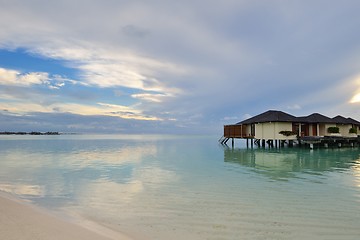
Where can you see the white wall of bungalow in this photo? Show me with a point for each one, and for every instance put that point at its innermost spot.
(270, 131)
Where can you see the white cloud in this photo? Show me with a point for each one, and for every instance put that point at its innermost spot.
(9, 77)
(247, 116)
(124, 112)
(103, 109)
(34, 78)
(23, 107)
(294, 107)
(105, 74)
(110, 66)
(149, 97)
(13, 77)
(107, 59)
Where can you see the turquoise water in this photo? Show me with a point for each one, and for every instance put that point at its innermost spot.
(188, 187)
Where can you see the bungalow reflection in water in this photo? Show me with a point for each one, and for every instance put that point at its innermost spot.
(285, 163)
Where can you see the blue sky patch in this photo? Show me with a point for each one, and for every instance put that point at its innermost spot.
(23, 61)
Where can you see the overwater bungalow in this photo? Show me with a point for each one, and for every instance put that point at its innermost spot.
(279, 127)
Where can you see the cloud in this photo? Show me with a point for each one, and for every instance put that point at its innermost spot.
(10, 77)
(13, 77)
(23, 189)
(103, 109)
(294, 107)
(124, 112)
(204, 59)
(69, 122)
(157, 98)
(110, 68)
(134, 31)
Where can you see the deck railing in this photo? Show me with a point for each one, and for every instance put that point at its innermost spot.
(236, 131)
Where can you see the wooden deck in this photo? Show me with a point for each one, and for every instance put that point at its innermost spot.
(308, 141)
(236, 131)
(329, 141)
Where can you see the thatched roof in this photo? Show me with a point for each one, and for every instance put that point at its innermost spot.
(342, 120)
(316, 118)
(353, 121)
(279, 116)
(270, 116)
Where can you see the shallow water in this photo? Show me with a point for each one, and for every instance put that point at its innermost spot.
(188, 187)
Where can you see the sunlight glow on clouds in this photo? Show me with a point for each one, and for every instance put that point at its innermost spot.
(157, 98)
(124, 112)
(355, 82)
(74, 108)
(355, 99)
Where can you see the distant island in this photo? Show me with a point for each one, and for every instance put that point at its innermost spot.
(29, 133)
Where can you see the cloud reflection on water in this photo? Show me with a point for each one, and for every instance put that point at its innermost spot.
(22, 189)
(356, 169)
(108, 170)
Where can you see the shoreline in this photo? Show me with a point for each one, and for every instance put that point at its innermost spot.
(19, 220)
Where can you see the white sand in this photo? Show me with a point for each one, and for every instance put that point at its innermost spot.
(20, 221)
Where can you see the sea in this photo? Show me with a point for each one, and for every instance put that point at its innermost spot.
(161, 187)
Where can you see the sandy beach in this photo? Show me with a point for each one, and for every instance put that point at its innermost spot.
(21, 221)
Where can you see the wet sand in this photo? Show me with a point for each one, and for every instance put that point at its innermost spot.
(21, 221)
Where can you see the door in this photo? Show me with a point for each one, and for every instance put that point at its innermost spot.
(314, 129)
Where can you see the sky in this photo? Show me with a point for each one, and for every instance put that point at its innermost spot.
(176, 67)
